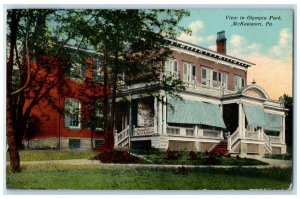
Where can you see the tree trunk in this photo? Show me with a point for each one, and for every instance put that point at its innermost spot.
(10, 128)
(13, 149)
(113, 99)
(105, 101)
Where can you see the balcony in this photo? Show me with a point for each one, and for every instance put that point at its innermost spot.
(209, 90)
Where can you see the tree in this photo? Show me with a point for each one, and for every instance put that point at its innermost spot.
(33, 70)
(131, 42)
(288, 103)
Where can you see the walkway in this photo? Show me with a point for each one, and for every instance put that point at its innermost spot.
(272, 163)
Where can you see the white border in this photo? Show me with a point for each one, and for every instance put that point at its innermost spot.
(149, 4)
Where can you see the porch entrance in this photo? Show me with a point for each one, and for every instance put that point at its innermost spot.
(231, 116)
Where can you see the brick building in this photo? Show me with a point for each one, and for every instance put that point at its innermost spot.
(219, 111)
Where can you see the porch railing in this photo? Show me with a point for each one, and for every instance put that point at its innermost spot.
(232, 140)
(122, 138)
(267, 142)
(211, 133)
(211, 89)
(252, 135)
(274, 139)
(143, 131)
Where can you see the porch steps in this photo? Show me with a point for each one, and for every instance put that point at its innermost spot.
(220, 148)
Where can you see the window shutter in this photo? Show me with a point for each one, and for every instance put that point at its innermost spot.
(66, 113)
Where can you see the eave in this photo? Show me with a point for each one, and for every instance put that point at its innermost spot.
(209, 53)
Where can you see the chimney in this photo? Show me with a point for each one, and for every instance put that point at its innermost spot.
(221, 42)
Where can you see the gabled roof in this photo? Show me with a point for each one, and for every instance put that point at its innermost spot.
(209, 53)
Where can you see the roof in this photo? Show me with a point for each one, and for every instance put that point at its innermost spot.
(210, 53)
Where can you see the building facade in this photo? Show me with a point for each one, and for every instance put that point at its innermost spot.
(219, 110)
(67, 124)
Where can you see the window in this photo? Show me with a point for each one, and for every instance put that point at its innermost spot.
(98, 73)
(77, 71)
(205, 76)
(99, 121)
(171, 68)
(213, 78)
(72, 113)
(239, 83)
(189, 74)
(99, 143)
(223, 80)
(74, 143)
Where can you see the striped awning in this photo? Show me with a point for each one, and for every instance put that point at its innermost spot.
(192, 112)
(255, 115)
(274, 122)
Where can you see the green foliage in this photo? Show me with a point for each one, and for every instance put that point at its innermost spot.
(184, 158)
(288, 103)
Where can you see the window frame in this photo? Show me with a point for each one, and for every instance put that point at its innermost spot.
(100, 115)
(70, 114)
(189, 72)
(170, 69)
(81, 71)
(239, 82)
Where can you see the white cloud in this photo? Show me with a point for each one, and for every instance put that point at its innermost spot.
(195, 26)
(237, 40)
(283, 48)
(195, 37)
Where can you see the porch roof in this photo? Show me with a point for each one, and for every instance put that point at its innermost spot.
(192, 112)
(274, 122)
(255, 115)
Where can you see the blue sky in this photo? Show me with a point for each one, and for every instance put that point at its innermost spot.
(270, 47)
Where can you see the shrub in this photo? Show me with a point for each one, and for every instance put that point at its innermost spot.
(211, 160)
(171, 155)
(193, 155)
(117, 156)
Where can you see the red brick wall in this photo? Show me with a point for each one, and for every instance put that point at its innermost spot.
(50, 123)
(199, 62)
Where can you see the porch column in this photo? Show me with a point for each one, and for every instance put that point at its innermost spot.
(283, 130)
(155, 115)
(130, 117)
(159, 117)
(241, 120)
(164, 120)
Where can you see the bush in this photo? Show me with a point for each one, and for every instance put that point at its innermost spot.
(211, 160)
(193, 155)
(171, 155)
(117, 156)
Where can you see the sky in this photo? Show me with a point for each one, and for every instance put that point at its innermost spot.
(260, 36)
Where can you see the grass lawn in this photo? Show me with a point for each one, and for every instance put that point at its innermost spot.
(37, 155)
(91, 177)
